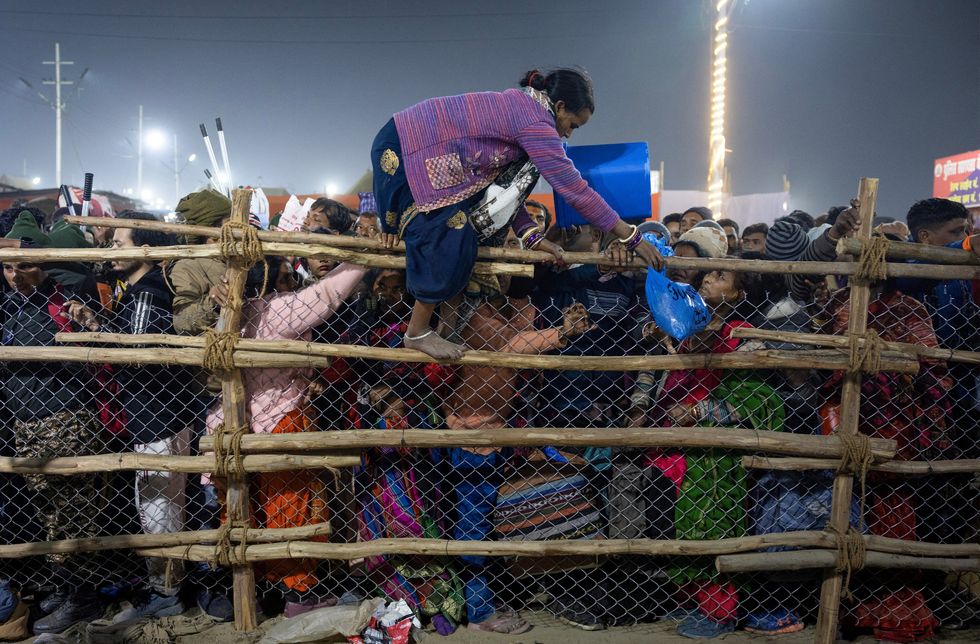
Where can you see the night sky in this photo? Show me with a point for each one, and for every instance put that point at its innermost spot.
(824, 91)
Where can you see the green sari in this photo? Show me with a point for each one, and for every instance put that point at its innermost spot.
(712, 498)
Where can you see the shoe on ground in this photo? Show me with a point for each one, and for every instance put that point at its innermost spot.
(577, 616)
(218, 606)
(701, 627)
(8, 601)
(52, 601)
(777, 622)
(680, 614)
(151, 605)
(76, 608)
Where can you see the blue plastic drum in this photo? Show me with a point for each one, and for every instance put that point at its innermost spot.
(620, 172)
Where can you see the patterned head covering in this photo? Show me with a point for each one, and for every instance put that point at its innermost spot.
(368, 203)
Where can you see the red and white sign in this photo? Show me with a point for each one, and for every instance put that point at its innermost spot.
(958, 178)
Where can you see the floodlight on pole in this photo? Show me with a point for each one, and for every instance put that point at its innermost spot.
(155, 140)
(716, 137)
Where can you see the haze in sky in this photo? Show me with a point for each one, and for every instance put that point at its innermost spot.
(823, 91)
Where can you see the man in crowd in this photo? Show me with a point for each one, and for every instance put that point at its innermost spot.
(731, 232)
(155, 401)
(329, 214)
(754, 238)
(52, 406)
(673, 224)
(694, 216)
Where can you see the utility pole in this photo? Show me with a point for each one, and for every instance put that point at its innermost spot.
(139, 157)
(58, 106)
(176, 174)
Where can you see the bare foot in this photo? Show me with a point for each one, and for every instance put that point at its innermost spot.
(435, 346)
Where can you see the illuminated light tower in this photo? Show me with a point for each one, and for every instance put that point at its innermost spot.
(716, 137)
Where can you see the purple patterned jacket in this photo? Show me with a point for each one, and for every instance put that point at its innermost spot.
(455, 146)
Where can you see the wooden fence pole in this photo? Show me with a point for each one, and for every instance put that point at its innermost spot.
(234, 406)
(840, 513)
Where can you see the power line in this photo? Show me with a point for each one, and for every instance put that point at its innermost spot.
(280, 17)
(484, 36)
(28, 99)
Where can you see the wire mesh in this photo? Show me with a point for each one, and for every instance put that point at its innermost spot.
(537, 494)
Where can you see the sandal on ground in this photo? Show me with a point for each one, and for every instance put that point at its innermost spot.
(503, 624)
(777, 622)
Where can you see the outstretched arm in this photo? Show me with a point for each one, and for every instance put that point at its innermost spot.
(293, 314)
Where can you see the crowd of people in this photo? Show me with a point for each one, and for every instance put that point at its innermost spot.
(57, 408)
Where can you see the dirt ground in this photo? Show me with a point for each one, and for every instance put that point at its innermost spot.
(549, 631)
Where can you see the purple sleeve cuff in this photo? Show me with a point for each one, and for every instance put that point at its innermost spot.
(522, 221)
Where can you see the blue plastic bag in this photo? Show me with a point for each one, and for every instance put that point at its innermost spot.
(677, 308)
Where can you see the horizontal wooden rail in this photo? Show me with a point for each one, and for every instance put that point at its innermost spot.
(767, 359)
(73, 465)
(289, 543)
(212, 251)
(805, 559)
(441, 547)
(185, 357)
(531, 256)
(681, 437)
(591, 548)
(909, 250)
(169, 539)
(907, 468)
(842, 342)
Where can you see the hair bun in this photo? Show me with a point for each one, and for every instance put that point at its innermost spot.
(534, 79)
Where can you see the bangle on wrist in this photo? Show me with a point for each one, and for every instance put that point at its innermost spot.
(697, 412)
(531, 238)
(632, 240)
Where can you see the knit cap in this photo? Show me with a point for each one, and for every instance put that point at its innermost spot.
(205, 207)
(803, 218)
(785, 241)
(654, 227)
(65, 235)
(25, 227)
(709, 241)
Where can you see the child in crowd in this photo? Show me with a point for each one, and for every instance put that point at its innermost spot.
(711, 484)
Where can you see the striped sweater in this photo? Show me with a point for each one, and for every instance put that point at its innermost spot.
(455, 146)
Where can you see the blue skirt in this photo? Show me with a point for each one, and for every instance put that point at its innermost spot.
(440, 245)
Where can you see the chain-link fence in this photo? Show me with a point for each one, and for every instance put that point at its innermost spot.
(159, 403)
